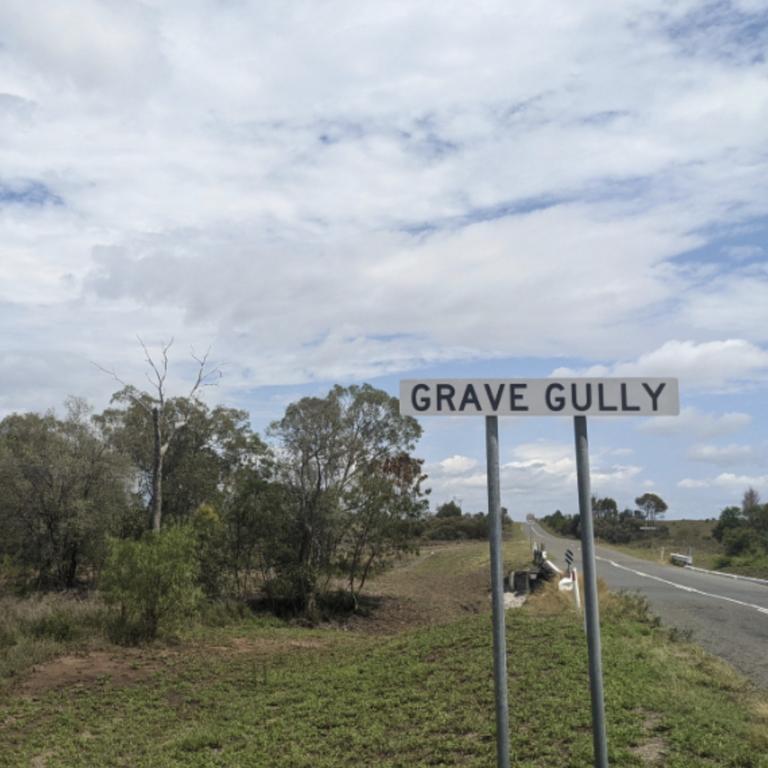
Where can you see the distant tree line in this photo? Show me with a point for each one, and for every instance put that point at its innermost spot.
(612, 525)
(450, 523)
(743, 532)
(87, 499)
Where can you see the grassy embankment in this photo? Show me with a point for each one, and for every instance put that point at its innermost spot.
(409, 686)
(682, 535)
(694, 536)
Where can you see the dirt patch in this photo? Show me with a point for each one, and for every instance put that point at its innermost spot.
(270, 645)
(40, 761)
(417, 594)
(653, 749)
(126, 667)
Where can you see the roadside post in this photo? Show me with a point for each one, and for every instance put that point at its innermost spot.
(497, 591)
(591, 610)
(634, 396)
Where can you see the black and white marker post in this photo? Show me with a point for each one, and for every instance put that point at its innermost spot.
(542, 397)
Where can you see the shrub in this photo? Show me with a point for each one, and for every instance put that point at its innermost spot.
(150, 584)
(456, 528)
(210, 551)
(737, 541)
(60, 625)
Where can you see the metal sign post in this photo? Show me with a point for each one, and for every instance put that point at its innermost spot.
(497, 591)
(631, 396)
(591, 611)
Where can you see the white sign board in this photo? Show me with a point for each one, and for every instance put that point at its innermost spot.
(540, 397)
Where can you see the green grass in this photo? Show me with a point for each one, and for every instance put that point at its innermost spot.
(707, 551)
(262, 693)
(258, 691)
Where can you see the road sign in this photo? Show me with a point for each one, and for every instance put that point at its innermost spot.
(543, 397)
(569, 557)
(540, 397)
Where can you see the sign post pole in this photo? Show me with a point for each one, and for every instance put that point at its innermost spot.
(497, 591)
(591, 611)
(578, 397)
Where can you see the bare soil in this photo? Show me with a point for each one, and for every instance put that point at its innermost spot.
(414, 594)
(119, 668)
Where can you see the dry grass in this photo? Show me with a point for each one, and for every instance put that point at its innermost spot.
(38, 628)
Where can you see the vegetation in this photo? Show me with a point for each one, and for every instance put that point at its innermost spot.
(63, 492)
(449, 523)
(743, 532)
(336, 496)
(737, 542)
(610, 524)
(265, 692)
(150, 582)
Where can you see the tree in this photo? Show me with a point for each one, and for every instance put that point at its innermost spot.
(150, 583)
(165, 421)
(448, 509)
(605, 508)
(335, 464)
(730, 518)
(64, 491)
(379, 518)
(652, 506)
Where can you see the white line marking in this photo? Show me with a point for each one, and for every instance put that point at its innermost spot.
(674, 584)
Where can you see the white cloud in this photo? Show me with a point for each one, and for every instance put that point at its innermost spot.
(689, 482)
(740, 483)
(338, 191)
(726, 455)
(730, 481)
(697, 423)
(455, 465)
(709, 365)
(734, 304)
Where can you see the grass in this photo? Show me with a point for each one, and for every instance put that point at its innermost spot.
(681, 536)
(40, 627)
(707, 551)
(261, 692)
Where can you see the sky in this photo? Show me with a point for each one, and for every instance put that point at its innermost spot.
(330, 191)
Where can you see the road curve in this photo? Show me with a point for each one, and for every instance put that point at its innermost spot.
(727, 617)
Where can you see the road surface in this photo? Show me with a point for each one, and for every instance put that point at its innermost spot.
(729, 618)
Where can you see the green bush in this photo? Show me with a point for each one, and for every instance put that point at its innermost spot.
(738, 541)
(452, 528)
(151, 584)
(59, 625)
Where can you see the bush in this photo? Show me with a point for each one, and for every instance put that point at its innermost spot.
(210, 551)
(59, 625)
(456, 528)
(738, 541)
(150, 584)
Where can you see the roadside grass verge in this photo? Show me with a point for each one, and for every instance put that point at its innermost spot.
(40, 627)
(263, 693)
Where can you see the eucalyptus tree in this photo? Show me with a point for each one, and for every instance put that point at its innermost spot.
(163, 417)
(349, 482)
(64, 490)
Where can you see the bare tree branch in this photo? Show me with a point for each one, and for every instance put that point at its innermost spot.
(127, 387)
(204, 377)
(164, 428)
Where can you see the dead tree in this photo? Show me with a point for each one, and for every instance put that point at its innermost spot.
(154, 403)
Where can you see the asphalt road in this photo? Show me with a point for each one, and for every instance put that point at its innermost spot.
(729, 618)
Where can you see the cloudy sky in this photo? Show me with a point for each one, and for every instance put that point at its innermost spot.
(328, 190)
